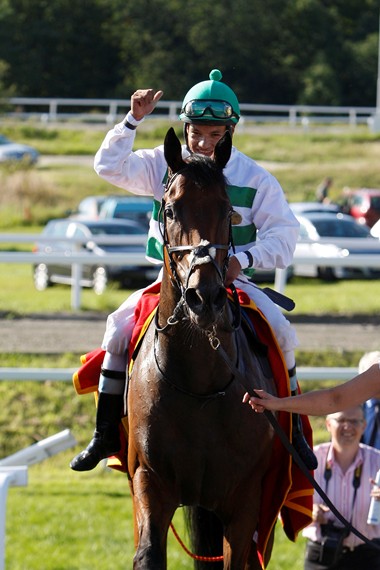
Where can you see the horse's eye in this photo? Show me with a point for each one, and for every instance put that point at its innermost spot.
(169, 212)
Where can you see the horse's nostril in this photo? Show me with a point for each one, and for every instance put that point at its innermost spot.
(220, 298)
(193, 299)
(198, 300)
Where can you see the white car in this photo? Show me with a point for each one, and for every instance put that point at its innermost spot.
(375, 230)
(315, 229)
(15, 152)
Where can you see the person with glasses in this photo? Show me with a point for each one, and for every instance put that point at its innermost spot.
(346, 471)
(209, 109)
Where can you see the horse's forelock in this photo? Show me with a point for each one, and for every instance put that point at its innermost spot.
(203, 171)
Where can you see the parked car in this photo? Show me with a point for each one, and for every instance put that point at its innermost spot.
(363, 204)
(15, 152)
(134, 208)
(89, 208)
(313, 227)
(375, 230)
(311, 207)
(98, 274)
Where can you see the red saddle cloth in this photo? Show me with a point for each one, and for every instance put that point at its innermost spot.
(286, 491)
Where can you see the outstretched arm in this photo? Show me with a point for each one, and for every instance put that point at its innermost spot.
(321, 402)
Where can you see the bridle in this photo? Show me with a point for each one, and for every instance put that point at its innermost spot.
(202, 253)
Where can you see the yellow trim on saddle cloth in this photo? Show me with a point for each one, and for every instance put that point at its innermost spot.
(86, 378)
(144, 328)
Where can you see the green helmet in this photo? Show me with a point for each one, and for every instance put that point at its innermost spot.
(211, 102)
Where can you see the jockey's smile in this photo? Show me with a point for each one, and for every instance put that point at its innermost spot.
(202, 139)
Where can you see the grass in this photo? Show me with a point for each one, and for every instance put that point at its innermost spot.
(84, 522)
(312, 296)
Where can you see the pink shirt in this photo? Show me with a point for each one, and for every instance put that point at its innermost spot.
(340, 491)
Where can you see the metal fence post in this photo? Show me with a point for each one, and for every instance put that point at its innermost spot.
(15, 476)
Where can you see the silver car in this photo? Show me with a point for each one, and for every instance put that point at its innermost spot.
(16, 152)
(323, 235)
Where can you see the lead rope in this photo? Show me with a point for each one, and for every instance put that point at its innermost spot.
(195, 556)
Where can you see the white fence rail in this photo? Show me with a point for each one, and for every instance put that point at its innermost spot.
(65, 374)
(77, 260)
(111, 111)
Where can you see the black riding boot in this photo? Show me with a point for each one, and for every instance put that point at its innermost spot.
(106, 440)
(300, 444)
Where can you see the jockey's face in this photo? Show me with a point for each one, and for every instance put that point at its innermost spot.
(201, 139)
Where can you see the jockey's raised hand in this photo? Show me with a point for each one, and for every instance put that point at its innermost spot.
(143, 102)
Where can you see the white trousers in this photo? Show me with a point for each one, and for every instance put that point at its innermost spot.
(121, 322)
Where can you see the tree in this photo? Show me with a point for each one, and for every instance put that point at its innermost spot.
(56, 48)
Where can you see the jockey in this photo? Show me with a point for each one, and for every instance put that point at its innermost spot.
(208, 110)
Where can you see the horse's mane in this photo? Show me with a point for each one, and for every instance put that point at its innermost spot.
(203, 171)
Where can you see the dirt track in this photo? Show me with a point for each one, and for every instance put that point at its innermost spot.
(56, 334)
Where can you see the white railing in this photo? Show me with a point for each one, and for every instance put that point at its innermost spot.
(65, 374)
(111, 111)
(14, 471)
(77, 260)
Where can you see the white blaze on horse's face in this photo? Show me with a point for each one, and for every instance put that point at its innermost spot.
(194, 257)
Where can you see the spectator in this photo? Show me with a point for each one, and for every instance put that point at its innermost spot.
(346, 469)
(317, 402)
(322, 191)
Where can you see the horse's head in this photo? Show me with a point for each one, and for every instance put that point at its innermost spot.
(197, 228)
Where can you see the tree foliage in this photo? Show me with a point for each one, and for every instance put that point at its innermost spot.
(270, 51)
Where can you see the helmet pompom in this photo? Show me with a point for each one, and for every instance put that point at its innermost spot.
(215, 75)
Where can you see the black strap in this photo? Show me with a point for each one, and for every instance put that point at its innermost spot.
(279, 299)
(355, 482)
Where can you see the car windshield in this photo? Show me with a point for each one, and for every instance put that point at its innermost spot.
(115, 230)
(375, 202)
(340, 228)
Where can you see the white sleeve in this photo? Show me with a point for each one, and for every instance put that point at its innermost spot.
(138, 172)
(277, 226)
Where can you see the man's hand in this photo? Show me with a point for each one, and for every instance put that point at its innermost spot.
(233, 270)
(320, 513)
(143, 102)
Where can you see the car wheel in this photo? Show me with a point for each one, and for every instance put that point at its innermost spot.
(326, 273)
(41, 277)
(100, 280)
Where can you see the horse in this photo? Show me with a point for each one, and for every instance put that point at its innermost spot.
(191, 441)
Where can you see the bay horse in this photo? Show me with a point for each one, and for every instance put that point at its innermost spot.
(191, 440)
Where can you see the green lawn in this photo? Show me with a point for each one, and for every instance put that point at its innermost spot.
(68, 521)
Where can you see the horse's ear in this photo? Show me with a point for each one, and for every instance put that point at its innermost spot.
(222, 150)
(173, 151)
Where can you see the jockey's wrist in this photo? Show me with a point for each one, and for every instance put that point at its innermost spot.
(245, 258)
(130, 122)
